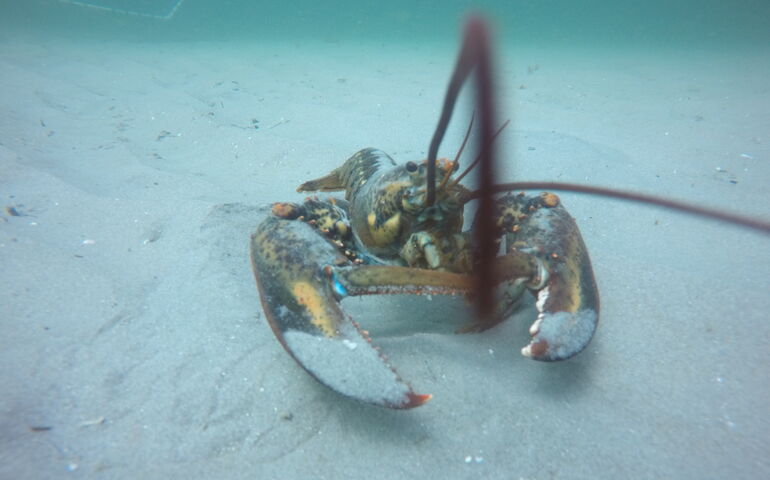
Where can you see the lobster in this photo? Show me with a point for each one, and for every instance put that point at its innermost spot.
(398, 230)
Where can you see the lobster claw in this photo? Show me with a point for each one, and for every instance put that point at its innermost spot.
(567, 297)
(294, 267)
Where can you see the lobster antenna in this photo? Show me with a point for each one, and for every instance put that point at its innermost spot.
(477, 39)
(459, 153)
(759, 225)
(474, 53)
(466, 60)
(481, 154)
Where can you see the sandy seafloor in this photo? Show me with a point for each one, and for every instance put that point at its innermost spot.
(133, 343)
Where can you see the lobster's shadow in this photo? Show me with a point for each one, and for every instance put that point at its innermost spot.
(400, 316)
(403, 324)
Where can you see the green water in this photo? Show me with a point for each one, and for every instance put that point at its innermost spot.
(692, 23)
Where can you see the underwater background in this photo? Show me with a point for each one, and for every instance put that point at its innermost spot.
(139, 151)
(692, 24)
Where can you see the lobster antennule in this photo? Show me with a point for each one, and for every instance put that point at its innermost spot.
(456, 163)
(480, 155)
(466, 61)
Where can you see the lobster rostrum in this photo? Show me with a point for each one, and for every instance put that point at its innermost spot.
(399, 230)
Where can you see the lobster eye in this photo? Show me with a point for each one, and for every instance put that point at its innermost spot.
(411, 167)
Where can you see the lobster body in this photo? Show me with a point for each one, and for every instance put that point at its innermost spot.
(383, 239)
(399, 230)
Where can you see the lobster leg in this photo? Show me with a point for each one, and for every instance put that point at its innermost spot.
(384, 279)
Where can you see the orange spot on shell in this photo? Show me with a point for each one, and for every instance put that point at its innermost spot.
(307, 296)
(550, 200)
(285, 210)
(539, 348)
